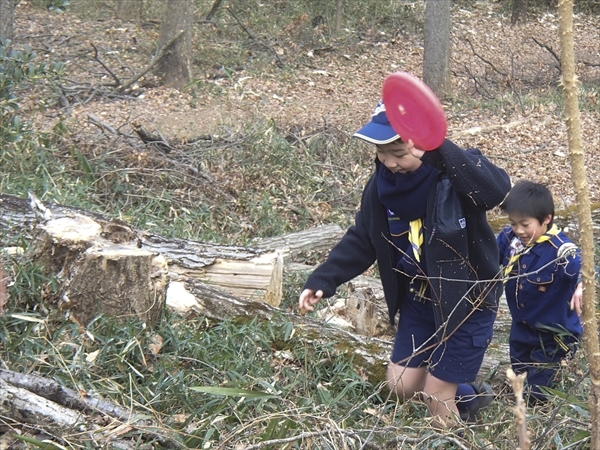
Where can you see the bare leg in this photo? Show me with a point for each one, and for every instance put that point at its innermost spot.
(405, 382)
(438, 395)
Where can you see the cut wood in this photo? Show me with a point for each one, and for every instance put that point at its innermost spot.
(99, 275)
(106, 266)
(45, 405)
(302, 244)
(201, 279)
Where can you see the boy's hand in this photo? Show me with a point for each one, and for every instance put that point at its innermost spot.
(576, 299)
(308, 298)
(410, 146)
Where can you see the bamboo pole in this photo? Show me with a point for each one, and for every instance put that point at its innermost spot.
(572, 117)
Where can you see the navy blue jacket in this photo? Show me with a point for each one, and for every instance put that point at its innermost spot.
(541, 297)
(459, 243)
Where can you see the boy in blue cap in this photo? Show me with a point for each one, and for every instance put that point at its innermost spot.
(542, 286)
(423, 220)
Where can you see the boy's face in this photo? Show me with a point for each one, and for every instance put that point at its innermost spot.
(528, 229)
(397, 157)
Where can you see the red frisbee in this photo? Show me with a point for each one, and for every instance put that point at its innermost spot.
(414, 111)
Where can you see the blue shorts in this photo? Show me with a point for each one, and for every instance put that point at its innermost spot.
(458, 358)
(538, 353)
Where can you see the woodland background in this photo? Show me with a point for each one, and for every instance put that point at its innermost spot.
(257, 145)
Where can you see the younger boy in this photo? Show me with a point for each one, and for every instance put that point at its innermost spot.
(542, 286)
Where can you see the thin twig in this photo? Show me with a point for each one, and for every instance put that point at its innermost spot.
(550, 49)
(250, 35)
(489, 63)
(97, 58)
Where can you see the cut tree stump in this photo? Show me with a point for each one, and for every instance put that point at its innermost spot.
(99, 275)
(106, 266)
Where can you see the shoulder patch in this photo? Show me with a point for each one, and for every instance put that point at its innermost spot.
(568, 248)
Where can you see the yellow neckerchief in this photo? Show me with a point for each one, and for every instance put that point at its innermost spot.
(415, 237)
(553, 231)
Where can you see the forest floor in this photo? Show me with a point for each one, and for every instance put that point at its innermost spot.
(504, 97)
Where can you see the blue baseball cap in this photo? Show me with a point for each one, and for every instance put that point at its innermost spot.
(378, 130)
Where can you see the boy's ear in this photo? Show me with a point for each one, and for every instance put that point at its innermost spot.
(548, 219)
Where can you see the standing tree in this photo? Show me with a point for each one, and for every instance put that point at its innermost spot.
(590, 324)
(7, 18)
(339, 10)
(176, 36)
(519, 9)
(129, 10)
(436, 56)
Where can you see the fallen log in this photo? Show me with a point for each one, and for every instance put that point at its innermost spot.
(59, 412)
(106, 266)
(359, 307)
(300, 246)
(74, 400)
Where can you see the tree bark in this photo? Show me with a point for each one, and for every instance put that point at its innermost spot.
(436, 54)
(300, 246)
(7, 19)
(174, 66)
(339, 10)
(106, 266)
(129, 10)
(590, 323)
(519, 9)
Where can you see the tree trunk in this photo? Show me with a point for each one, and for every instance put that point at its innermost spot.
(301, 245)
(7, 19)
(436, 55)
(129, 10)
(590, 323)
(519, 9)
(107, 266)
(338, 15)
(174, 66)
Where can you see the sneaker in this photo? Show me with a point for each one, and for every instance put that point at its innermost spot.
(485, 396)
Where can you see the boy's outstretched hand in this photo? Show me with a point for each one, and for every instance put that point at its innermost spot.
(577, 298)
(308, 298)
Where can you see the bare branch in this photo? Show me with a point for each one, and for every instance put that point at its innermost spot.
(97, 58)
(213, 10)
(151, 64)
(489, 63)
(102, 125)
(547, 47)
